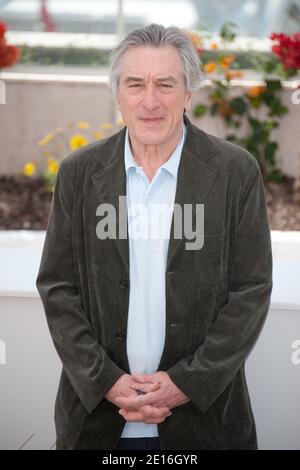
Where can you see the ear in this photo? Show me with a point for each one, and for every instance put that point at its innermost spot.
(188, 101)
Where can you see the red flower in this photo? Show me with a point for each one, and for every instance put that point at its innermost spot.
(8, 55)
(2, 29)
(287, 48)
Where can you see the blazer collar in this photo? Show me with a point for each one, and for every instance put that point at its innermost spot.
(195, 179)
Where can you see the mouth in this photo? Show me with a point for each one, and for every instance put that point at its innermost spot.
(151, 120)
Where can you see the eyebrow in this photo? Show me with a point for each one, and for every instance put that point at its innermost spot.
(138, 79)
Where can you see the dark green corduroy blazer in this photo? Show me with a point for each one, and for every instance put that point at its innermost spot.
(217, 298)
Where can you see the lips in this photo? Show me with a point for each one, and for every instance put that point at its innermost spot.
(151, 120)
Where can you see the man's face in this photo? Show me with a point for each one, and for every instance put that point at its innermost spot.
(152, 94)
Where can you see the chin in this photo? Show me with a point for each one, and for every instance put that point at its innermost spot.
(145, 138)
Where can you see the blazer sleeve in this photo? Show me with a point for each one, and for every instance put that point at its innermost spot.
(205, 374)
(89, 369)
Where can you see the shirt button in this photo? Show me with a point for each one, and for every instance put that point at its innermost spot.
(123, 284)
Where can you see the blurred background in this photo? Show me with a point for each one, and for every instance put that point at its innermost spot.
(55, 98)
(252, 17)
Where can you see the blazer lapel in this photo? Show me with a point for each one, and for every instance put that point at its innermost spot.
(194, 181)
(110, 183)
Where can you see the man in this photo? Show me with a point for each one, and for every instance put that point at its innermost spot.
(152, 333)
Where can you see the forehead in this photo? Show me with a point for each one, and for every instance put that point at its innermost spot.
(157, 61)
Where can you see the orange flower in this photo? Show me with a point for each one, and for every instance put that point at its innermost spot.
(225, 110)
(230, 74)
(214, 45)
(210, 67)
(226, 61)
(255, 91)
(196, 40)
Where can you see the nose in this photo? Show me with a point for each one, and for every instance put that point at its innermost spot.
(150, 100)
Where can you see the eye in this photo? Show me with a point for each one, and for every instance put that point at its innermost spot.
(135, 85)
(165, 85)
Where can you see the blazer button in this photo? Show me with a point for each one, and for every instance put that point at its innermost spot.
(120, 336)
(123, 284)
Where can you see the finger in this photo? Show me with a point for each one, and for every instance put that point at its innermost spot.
(160, 418)
(154, 412)
(141, 378)
(146, 388)
(131, 415)
(155, 421)
(135, 402)
(147, 414)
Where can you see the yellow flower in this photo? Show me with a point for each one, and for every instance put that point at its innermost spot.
(45, 140)
(226, 61)
(120, 121)
(210, 67)
(83, 125)
(98, 135)
(107, 125)
(214, 45)
(29, 169)
(53, 166)
(77, 141)
(255, 91)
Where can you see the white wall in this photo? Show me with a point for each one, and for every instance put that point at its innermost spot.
(37, 104)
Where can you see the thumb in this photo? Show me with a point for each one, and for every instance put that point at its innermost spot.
(141, 378)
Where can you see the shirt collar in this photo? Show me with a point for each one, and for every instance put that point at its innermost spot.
(171, 165)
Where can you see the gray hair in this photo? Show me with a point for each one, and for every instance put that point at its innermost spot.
(156, 35)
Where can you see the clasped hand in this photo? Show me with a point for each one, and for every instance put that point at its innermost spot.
(146, 397)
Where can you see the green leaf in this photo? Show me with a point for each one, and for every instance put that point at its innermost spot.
(227, 33)
(255, 102)
(273, 85)
(270, 151)
(238, 105)
(276, 176)
(214, 109)
(200, 110)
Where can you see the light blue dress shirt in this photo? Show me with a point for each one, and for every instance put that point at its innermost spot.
(149, 206)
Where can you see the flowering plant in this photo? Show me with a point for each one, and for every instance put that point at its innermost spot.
(287, 48)
(8, 54)
(243, 110)
(59, 143)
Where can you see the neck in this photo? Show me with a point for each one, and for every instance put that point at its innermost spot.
(151, 156)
